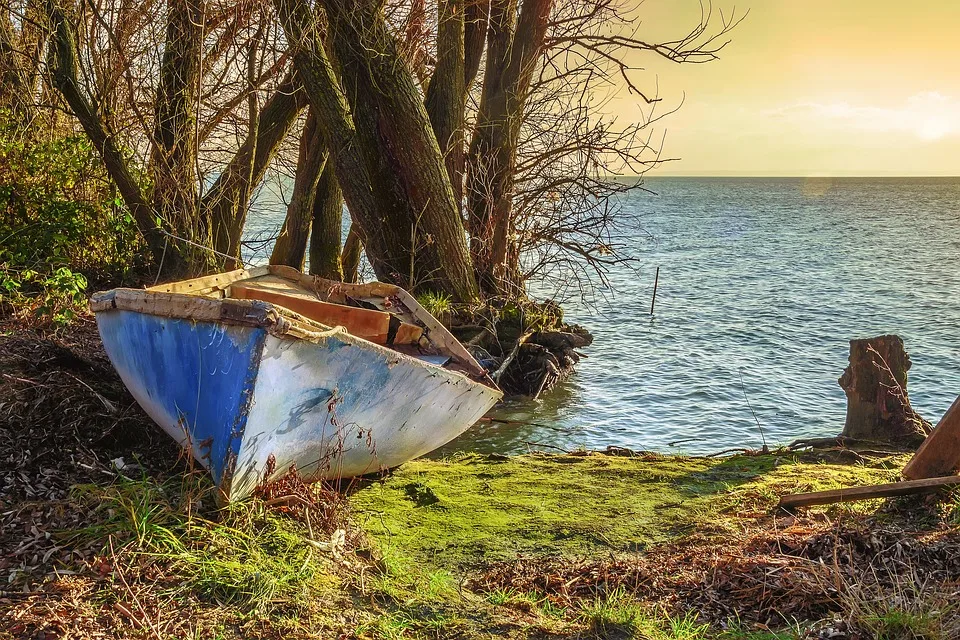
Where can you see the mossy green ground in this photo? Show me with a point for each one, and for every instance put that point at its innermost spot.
(460, 513)
(430, 526)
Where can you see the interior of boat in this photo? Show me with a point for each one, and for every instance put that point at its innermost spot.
(379, 313)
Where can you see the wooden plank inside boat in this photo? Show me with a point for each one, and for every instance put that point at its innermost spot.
(368, 324)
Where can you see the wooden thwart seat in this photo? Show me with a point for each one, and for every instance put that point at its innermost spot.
(369, 324)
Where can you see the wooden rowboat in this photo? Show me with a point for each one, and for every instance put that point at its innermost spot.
(260, 369)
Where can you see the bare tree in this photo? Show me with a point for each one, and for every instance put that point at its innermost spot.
(160, 139)
(467, 138)
(544, 162)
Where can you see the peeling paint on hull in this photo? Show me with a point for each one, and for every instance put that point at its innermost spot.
(338, 410)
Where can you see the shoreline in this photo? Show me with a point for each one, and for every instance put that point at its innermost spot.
(107, 530)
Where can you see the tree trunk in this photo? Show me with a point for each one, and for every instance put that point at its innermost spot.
(447, 92)
(63, 68)
(370, 58)
(13, 79)
(875, 382)
(21, 56)
(514, 46)
(223, 202)
(176, 185)
(476, 19)
(417, 230)
(327, 227)
(291, 246)
(350, 258)
(356, 165)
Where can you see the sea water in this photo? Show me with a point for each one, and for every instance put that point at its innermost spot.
(763, 282)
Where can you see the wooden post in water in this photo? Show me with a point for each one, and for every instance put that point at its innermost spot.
(656, 280)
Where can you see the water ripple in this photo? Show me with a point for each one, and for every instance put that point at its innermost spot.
(767, 279)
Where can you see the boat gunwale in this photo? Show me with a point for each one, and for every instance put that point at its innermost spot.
(275, 319)
(221, 282)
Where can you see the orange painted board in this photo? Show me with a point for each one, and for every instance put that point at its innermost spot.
(408, 334)
(364, 323)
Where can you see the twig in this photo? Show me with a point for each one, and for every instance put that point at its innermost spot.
(735, 449)
(513, 354)
(763, 439)
(119, 572)
(542, 444)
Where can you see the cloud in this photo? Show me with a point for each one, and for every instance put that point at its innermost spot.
(929, 116)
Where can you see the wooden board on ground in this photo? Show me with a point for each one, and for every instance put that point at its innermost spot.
(939, 455)
(851, 494)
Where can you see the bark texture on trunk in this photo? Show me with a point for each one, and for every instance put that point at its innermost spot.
(291, 246)
(370, 59)
(350, 257)
(21, 56)
(176, 185)
(447, 92)
(875, 382)
(355, 165)
(514, 44)
(476, 19)
(63, 68)
(327, 225)
(387, 159)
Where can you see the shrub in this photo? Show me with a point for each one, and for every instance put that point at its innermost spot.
(62, 224)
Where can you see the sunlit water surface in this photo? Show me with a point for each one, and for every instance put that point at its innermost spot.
(764, 281)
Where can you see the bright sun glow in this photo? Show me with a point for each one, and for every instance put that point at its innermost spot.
(934, 127)
(929, 116)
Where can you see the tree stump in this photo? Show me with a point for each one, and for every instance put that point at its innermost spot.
(875, 382)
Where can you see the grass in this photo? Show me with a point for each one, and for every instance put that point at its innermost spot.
(483, 509)
(910, 609)
(168, 554)
(617, 615)
(247, 561)
(436, 304)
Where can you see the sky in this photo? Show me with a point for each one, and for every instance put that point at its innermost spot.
(808, 88)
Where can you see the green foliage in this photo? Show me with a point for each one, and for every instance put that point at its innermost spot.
(58, 296)
(437, 304)
(61, 223)
(617, 615)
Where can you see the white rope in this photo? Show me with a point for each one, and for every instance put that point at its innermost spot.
(162, 256)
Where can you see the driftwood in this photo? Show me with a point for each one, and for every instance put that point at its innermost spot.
(838, 442)
(939, 455)
(510, 357)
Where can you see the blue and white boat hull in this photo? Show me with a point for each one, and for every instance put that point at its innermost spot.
(238, 384)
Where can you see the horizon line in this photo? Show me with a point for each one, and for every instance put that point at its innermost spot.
(655, 174)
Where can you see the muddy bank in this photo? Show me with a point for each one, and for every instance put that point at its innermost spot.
(526, 346)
